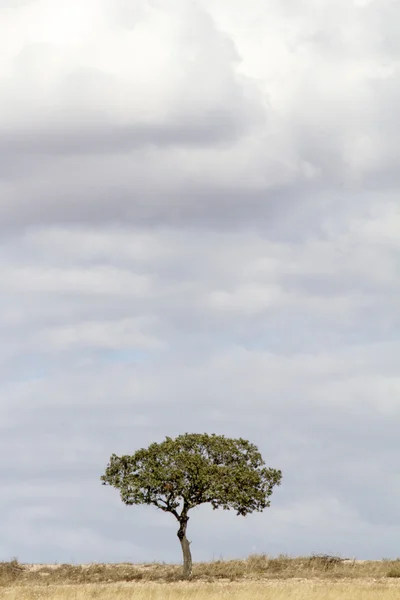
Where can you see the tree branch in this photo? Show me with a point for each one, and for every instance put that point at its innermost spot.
(166, 508)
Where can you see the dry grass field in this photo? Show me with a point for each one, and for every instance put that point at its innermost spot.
(256, 578)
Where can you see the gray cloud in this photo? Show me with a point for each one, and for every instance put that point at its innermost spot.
(199, 232)
(186, 137)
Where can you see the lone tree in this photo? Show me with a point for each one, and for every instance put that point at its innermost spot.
(179, 474)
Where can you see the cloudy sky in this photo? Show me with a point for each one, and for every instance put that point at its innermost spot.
(199, 221)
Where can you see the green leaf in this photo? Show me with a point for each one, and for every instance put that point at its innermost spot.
(194, 469)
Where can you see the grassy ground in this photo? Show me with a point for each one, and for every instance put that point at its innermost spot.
(251, 579)
(277, 590)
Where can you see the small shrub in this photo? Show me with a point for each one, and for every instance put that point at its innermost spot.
(257, 563)
(10, 572)
(324, 561)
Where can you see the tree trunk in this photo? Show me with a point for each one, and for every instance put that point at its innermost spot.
(185, 544)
